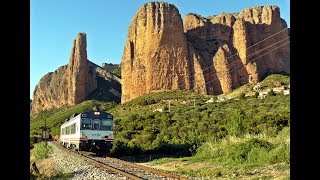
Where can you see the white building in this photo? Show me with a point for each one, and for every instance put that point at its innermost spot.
(220, 99)
(210, 101)
(256, 87)
(263, 94)
(286, 92)
(160, 110)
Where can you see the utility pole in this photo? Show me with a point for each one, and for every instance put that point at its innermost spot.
(45, 131)
(169, 105)
(194, 102)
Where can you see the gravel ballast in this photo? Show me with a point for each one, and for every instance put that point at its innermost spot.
(68, 162)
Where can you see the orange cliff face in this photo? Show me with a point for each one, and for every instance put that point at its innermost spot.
(75, 82)
(69, 84)
(156, 52)
(210, 55)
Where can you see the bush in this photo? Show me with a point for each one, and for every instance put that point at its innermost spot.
(271, 93)
(42, 150)
(235, 123)
(256, 94)
(280, 154)
(242, 96)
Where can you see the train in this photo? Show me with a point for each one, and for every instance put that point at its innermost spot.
(88, 131)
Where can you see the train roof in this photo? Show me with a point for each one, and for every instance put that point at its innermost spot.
(89, 114)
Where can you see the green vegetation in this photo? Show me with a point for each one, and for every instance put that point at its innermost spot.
(237, 156)
(238, 91)
(140, 130)
(116, 71)
(41, 166)
(271, 93)
(63, 176)
(41, 150)
(275, 80)
(114, 68)
(231, 137)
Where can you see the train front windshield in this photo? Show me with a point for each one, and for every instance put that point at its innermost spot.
(107, 124)
(104, 123)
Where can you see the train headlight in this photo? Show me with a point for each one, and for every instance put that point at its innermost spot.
(108, 137)
(96, 113)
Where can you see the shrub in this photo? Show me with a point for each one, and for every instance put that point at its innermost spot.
(242, 96)
(256, 94)
(42, 150)
(271, 93)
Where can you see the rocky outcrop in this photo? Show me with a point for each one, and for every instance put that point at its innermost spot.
(213, 55)
(155, 54)
(258, 31)
(75, 82)
(81, 77)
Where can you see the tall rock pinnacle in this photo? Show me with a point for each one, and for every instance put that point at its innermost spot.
(155, 54)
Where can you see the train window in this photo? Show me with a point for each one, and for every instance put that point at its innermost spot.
(86, 123)
(96, 124)
(73, 128)
(106, 124)
(68, 130)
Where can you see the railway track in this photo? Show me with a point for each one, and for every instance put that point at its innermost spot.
(126, 169)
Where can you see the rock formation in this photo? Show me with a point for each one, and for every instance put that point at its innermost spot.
(75, 82)
(211, 55)
(155, 55)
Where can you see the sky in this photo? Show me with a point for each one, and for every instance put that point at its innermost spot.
(54, 24)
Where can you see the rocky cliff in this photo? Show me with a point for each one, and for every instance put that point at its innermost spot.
(155, 55)
(73, 83)
(211, 55)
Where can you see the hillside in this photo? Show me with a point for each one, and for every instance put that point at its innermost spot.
(113, 68)
(153, 103)
(271, 81)
(140, 125)
(244, 137)
(172, 130)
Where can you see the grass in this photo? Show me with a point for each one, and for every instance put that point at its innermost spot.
(275, 80)
(247, 156)
(63, 176)
(41, 150)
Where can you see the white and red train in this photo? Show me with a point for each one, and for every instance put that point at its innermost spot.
(91, 130)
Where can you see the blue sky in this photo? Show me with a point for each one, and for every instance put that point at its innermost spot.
(54, 25)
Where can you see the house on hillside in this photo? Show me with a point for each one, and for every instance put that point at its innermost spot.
(263, 94)
(249, 94)
(220, 99)
(278, 89)
(286, 92)
(159, 110)
(210, 101)
(256, 87)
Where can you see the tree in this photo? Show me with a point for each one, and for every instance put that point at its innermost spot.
(256, 94)
(242, 96)
(235, 123)
(271, 93)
